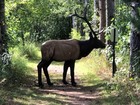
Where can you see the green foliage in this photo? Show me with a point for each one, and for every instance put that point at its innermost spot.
(122, 22)
(75, 34)
(122, 25)
(135, 20)
(124, 88)
(18, 68)
(136, 63)
(36, 21)
(33, 20)
(19, 22)
(4, 65)
(30, 51)
(59, 27)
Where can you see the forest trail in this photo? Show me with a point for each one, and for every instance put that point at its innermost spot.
(69, 95)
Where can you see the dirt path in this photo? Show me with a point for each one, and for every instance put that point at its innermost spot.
(79, 95)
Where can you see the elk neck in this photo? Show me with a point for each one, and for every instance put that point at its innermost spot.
(86, 47)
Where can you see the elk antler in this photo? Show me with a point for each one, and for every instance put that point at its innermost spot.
(86, 20)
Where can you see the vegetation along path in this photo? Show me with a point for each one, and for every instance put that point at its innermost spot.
(89, 90)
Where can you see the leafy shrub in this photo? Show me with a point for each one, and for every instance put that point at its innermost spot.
(18, 68)
(30, 51)
(75, 34)
(4, 64)
(126, 89)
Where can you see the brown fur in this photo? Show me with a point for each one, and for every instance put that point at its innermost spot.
(60, 50)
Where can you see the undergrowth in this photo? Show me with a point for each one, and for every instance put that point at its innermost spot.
(17, 71)
(97, 62)
(18, 65)
(4, 62)
(94, 68)
(125, 89)
(30, 51)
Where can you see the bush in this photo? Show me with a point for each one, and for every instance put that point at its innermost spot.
(4, 65)
(18, 68)
(126, 89)
(30, 51)
(75, 34)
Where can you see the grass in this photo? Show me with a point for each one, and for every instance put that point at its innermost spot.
(26, 96)
(25, 92)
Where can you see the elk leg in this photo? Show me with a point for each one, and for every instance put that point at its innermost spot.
(66, 65)
(72, 65)
(46, 72)
(39, 66)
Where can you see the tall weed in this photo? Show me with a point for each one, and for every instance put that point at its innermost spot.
(18, 68)
(30, 51)
(127, 90)
(4, 65)
(99, 63)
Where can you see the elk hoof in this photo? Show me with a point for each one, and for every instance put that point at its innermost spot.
(74, 84)
(50, 84)
(65, 82)
(41, 86)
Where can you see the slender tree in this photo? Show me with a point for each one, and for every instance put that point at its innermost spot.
(109, 16)
(2, 26)
(109, 12)
(96, 13)
(134, 37)
(96, 6)
(85, 3)
(102, 18)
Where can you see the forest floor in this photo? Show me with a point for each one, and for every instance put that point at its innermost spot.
(69, 95)
(89, 91)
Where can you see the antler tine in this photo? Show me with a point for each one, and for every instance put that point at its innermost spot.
(75, 14)
(78, 15)
(91, 28)
(86, 20)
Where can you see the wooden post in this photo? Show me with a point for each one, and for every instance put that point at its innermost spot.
(113, 62)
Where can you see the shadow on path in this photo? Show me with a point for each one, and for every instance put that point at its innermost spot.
(79, 95)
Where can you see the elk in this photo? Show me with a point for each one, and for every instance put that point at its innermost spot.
(68, 51)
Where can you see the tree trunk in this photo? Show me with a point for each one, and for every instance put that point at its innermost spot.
(102, 19)
(135, 40)
(109, 12)
(85, 2)
(96, 7)
(96, 14)
(2, 27)
(1, 45)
